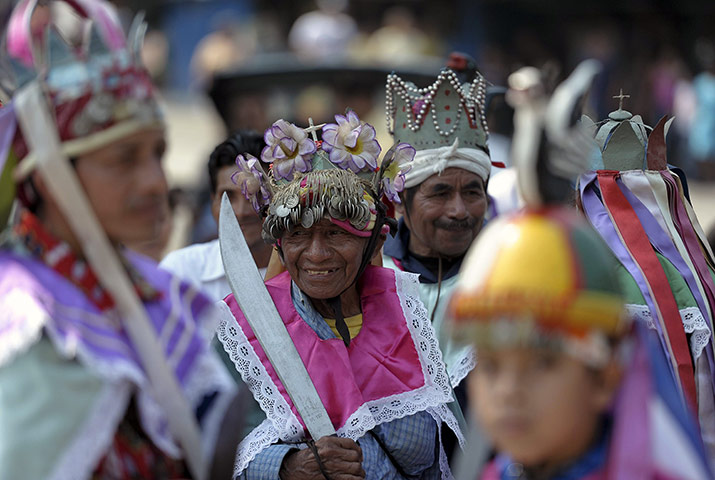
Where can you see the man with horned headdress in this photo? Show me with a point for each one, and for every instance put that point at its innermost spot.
(105, 365)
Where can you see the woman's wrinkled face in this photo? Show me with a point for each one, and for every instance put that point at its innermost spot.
(538, 406)
(322, 260)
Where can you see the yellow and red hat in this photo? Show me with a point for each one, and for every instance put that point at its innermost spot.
(539, 277)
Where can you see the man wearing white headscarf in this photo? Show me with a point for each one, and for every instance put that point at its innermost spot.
(445, 200)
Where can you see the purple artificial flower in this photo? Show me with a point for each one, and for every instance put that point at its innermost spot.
(288, 148)
(351, 143)
(393, 177)
(250, 179)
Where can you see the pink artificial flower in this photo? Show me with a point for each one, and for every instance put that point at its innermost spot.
(351, 143)
(288, 148)
(393, 177)
(250, 179)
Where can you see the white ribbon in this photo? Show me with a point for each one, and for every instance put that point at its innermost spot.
(433, 161)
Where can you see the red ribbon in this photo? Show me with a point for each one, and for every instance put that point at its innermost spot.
(638, 244)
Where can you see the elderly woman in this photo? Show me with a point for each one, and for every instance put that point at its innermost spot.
(360, 330)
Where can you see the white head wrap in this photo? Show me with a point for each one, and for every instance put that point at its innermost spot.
(434, 160)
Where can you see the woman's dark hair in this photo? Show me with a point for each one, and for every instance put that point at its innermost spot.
(238, 143)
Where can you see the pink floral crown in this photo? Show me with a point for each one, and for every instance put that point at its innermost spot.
(339, 176)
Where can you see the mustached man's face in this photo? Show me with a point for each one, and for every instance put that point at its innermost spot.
(126, 186)
(446, 213)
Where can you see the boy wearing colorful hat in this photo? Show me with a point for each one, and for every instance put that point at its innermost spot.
(563, 388)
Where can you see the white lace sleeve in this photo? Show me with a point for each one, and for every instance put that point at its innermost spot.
(693, 322)
(442, 414)
(281, 422)
(467, 362)
(423, 333)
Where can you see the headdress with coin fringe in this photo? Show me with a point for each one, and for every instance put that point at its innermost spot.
(338, 177)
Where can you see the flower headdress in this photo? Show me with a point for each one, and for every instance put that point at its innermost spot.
(338, 177)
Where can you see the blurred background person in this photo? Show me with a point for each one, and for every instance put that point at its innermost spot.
(201, 263)
(702, 132)
(398, 41)
(324, 34)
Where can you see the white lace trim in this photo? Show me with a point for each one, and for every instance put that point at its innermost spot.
(283, 424)
(693, 322)
(466, 364)
(423, 334)
(443, 414)
(210, 375)
(280, 417)
(95, 436)
(436, 390)
(20, 308)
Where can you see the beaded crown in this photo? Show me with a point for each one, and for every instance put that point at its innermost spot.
(338, 176)
(436, 115)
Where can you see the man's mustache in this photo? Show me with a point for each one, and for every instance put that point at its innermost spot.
(456, 225)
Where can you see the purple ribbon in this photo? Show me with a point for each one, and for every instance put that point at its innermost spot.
(692, 244)
(598, 216)
(7, 132)
(101, 337)
(663, 244)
